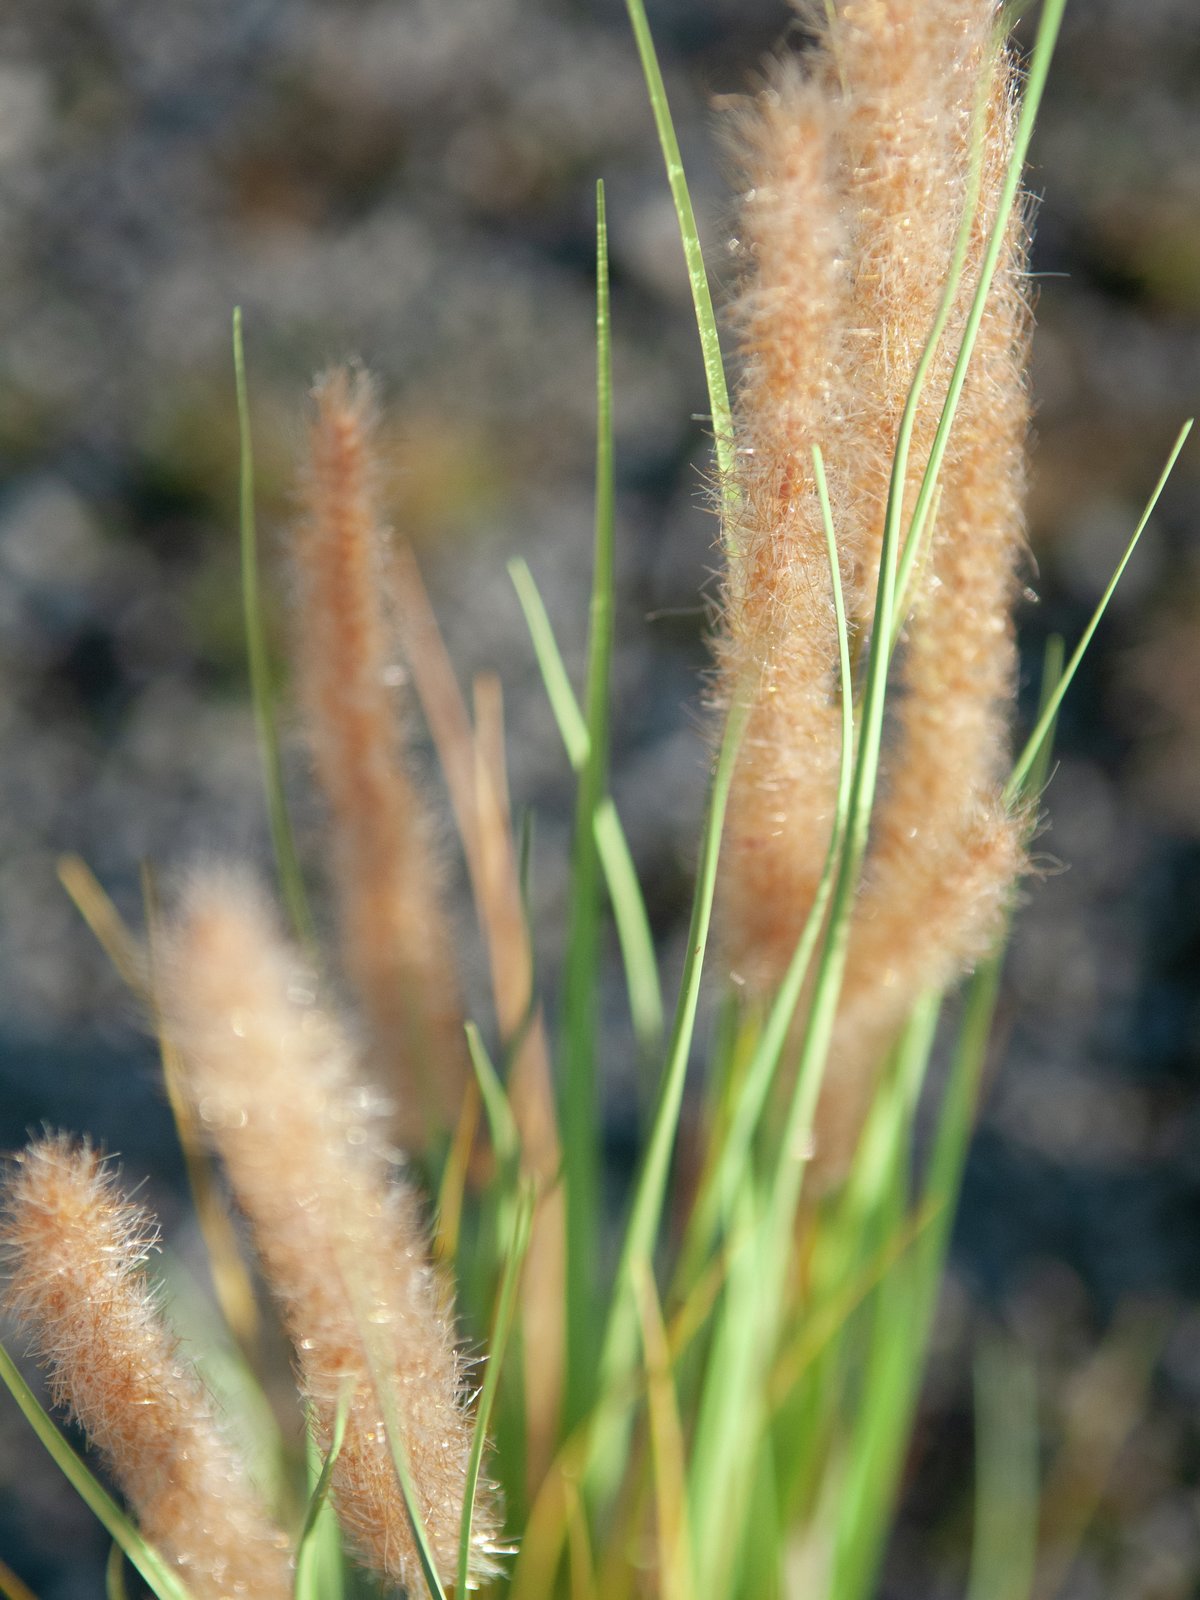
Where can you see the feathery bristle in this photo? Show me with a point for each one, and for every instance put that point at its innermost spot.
(945, 851)
(778, 643)
(76, 1250)
(395, 941)
(876, 131)
(304, 1145)
(908, 83)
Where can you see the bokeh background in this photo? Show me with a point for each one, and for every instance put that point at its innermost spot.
(411, 182)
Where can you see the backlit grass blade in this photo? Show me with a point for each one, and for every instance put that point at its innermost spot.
(580, 1107)
(564, 705)
(620, 874)
(706, 321)
(311, 1579)
(1037, 737)
(668, 1449)
(899, 1353)
(730, 1423)
(619, 1355)
(506, 1140)
(114, 1574)
(153, 1567)
(497, 1346)
(291, 881)
(633, 930)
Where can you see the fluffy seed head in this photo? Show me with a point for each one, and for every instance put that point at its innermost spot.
(275, 1087)
(395, 942)
(859, 166)
(76, 1250)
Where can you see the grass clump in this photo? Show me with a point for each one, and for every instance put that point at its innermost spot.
(726, 1413)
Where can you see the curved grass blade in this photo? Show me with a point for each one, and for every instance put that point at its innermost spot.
(581, 1154)
(114, 1574)
(152, 1566)
(506, 1140)
(309, 1549)
(625, 894)
(908, 1297)
(667, 1447)
(291, 880)
(633, 931)
(706, 321)
(619, 1353)
(1017, 780)
(497, 1346)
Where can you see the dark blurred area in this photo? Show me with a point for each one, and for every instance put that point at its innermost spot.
(411, 182)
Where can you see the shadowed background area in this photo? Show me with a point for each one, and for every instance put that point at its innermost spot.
(413, 183)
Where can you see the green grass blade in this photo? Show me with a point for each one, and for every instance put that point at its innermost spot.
(291, 880)
(730, 1419)
(497, 1345)
(564, 705)
(311, 1551)
(1037, 738)
(619, 1355)
(580, 1110)
(114, 1574)
(620, 874)
(506, 1141)
(706, 321)
(1004, 1551)
(145, 1559)
(633, 931)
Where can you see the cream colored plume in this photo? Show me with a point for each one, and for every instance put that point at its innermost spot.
(275, 1086)
(76, 1250)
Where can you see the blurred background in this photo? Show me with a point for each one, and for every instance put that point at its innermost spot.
(411, 182)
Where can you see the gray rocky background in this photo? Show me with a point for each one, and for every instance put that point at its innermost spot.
(411, 182)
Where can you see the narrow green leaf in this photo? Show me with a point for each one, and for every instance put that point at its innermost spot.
(633, 930)
(114, 1574)
(310, 1577)
(291, 880)
(706, 321)
(580, 1111)
(620, 1349)
(620, 874)
(563, 704)
(506, 1140)
(496, 1348)
(1024, 761)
